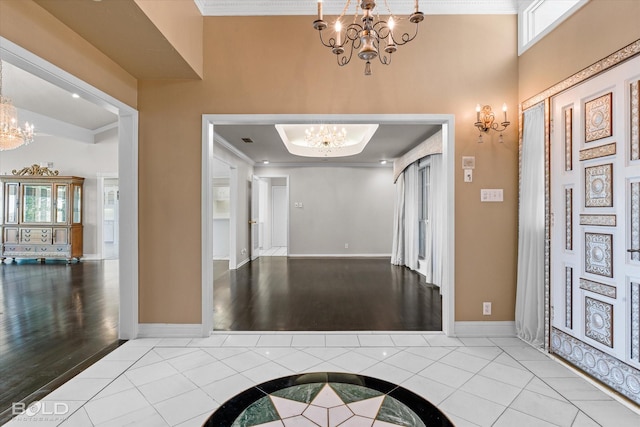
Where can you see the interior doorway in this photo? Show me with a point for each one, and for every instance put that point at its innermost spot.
(110, 218)
(208, 126)
(221, 209)
(272, 216)
(128, 327)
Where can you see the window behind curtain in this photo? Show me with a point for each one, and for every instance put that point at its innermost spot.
(423, 208)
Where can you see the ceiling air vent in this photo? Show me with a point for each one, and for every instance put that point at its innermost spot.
(247, 140)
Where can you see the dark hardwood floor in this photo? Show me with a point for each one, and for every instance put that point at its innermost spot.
(323, 294)
(54, 318)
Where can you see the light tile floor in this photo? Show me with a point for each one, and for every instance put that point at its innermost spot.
(475, 381)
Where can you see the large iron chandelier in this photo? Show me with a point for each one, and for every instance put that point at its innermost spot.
(373, 38)
(11, 134)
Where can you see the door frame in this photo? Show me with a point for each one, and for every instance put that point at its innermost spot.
(254, 218)
(447, 121)
(286, 204)
(286, 177)
(127, 172)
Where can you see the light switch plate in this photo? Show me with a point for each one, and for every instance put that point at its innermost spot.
(468, 175)
(491, 195)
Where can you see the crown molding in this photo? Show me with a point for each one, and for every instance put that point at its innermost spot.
(335, 7)
(227, 145)
(322, 164)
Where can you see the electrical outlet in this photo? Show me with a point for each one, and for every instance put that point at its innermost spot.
(346, 246)
(486, 309)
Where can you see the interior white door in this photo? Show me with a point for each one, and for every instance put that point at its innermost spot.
(595, 227)
(254, 222)
(279, 216)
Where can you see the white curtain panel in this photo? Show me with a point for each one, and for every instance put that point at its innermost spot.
(437, 212)
(411, 193)
(530, 278)
(397, 250)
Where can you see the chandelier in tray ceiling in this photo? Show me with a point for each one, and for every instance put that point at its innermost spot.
(11, 134)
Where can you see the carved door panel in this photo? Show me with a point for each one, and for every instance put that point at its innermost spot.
(595, 208)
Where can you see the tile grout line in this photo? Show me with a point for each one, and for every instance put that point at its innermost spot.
(133, 362)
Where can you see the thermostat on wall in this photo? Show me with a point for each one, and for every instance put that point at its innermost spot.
(468, 162)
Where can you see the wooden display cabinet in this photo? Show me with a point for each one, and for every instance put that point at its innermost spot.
(41, 215)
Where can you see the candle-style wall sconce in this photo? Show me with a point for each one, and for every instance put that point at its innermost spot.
(485, 121)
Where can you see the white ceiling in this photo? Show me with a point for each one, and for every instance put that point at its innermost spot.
(335, 7)
(33, 94)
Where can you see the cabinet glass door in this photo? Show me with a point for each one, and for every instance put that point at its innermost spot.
(37, 205)
(61, 204)
(12, 204)
(77, 204)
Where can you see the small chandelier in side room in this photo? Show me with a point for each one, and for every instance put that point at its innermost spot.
(374, 38)
(485, 121)
(11, 134)
(325, 138)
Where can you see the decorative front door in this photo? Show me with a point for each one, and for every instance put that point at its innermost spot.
(595, 227)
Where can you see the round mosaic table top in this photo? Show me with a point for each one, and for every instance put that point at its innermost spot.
(327, 400)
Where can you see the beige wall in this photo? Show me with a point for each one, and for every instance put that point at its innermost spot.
(598, 29)
(180, 22)
(31, 27)
(258, 65)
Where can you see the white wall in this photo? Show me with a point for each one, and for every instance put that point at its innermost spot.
(71, 158)
(341, 205)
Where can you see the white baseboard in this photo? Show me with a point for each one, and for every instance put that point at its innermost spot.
(485, 329)
(243, 262)
(169, 330)
(90, 257)
(340, 255)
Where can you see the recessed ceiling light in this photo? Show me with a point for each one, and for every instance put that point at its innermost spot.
(75, 95)
(266, 162)
(383, 162)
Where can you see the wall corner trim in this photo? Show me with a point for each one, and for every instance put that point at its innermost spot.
(169, 330)
(485, 329)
